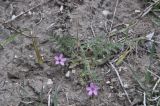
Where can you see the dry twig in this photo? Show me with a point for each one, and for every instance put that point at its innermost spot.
(92, 30)
(156, 84)
(114, 68)
(144, 99)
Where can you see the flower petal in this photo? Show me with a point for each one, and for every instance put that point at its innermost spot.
(56, 57)
(62, 63)
(63, 59)
(90, 93)
(60, 56)
(57, 62)
(88, 88)
(95, 92)
(92, 85)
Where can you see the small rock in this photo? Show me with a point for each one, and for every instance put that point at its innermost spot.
(68, 74)
(127, 25)
(105, 12)
(111, 87)
(13, 17)
(61, 8)
(108, 82)
(125, 86)
(49, 82)
(137, 11)
(15, 56)
(29, 13)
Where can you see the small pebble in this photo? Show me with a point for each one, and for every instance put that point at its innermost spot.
(31, 56)
(111, 87)
(29, 13)
(61, 8)
(13, 17)
(68, 74)
(49, 82)
(105, 12)
(125, 86)
(108, 82)
(127, 25)
(137, 11)
(15, 56)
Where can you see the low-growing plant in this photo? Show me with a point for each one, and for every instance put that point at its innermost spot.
(89, 51)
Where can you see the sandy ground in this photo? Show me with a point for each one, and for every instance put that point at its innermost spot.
(22, 78)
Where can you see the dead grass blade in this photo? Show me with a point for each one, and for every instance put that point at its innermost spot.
(36, 49)
(148, 9)
(123, 56)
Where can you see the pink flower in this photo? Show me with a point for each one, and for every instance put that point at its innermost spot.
(59, 59)
(92, 89)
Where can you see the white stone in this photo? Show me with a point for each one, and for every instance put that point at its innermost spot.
(137, 11)
(125, 85)
(111, 87)
(49, 82)
(105, 12)
(61, 8)
(15, 56)
(13, 17)
(108, 82)
(68, 74)
(29, 13)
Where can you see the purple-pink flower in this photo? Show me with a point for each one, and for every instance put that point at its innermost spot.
(59, 59)
(92, 89)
